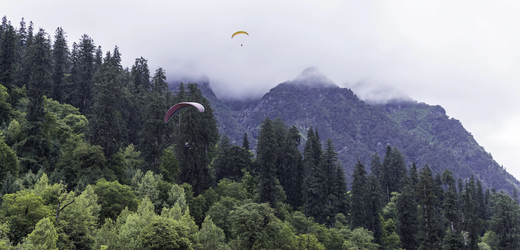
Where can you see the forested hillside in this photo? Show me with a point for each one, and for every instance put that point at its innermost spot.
(423, 133)
(87, 162)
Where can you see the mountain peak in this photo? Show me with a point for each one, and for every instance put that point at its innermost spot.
(312, 76)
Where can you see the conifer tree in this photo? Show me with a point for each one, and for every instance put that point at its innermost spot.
(140, 92)
(358, 206)
(393, 169)
(375, 165)
(199, 131)
(266, 159)
(293, 171)
(230, 161)
(280, 147)
(60, 56)
(153, 136)
(83, 74)
(452, 239)
(245, 142)
(505, 222)
(407, 215)
(336, 186)
(8, 42)
(314, 191)
(106, 124)
(428, 222)
(373, 201)
(470, 222)
(25, 38)
(39, 61)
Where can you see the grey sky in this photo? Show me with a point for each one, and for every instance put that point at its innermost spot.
(462, 55)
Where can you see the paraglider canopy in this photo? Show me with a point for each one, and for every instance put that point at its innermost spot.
(240, 36)
(175, 108)
(239, 32)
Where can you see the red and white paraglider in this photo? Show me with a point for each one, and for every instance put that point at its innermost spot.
(175, 108)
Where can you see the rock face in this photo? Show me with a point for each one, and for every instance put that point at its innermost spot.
(423, 133)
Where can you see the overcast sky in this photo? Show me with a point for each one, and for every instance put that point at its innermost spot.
(462, 55)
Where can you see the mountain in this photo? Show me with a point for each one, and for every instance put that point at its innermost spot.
(423, 133)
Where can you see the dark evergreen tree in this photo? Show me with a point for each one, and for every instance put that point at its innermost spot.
(245, 142)
(8, 45)
(375, 165)
(231, 161)
(267, 159)
(138, 86)
(428, 222)
(196, 137)
(506, 222)
(60, 56)
(106, 124)
(336, 202)
(393, 169)
(141, 75)
(373, 201)
(412, 172)
(153, 136)
(407, 223)
(469, 214)
(82, 74)
(314, 204)
(358, 206)
(293, 170)
(451, 212)
(35, 148)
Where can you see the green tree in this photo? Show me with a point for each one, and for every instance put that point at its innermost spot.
(5, 107)
(254, 226)
(80, 219)
(43, 237)
(22, 210)
(82, 163)
(113, 198)
(211, 236)
(169, 167)
(9, 161)
(360, 239)
(165, 234)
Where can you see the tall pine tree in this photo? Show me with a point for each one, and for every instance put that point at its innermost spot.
(196, 137)
(60, 56)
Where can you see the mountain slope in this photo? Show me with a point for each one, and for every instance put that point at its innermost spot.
(423, 133)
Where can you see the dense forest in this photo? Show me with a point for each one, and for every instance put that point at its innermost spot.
(87, 162)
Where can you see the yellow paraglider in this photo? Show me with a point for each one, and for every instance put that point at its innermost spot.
(241, 32)
(238, 33)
